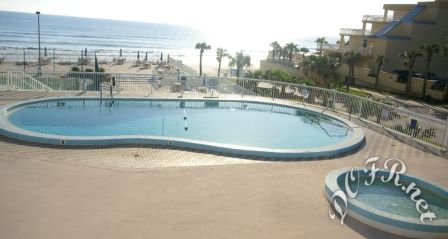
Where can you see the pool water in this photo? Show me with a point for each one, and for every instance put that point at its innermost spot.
(389, 198)
(228, 122)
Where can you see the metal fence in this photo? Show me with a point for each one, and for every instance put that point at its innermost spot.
(419, 127)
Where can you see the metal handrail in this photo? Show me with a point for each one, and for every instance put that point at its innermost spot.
(417, 126)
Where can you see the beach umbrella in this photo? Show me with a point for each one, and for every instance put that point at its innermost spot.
(121, 52)
(138, 55)
(85, 52)
(97, 68)
(146, 56)
(45, 51)
(161, 56)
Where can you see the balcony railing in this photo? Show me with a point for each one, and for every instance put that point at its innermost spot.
(376, 18)
(356, 32)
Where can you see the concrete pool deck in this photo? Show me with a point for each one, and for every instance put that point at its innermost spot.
(154, 192)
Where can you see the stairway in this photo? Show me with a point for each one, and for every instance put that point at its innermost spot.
(408, 18)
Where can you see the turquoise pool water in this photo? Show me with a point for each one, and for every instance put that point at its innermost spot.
(389, 198)
(388, 207)
(228, 122)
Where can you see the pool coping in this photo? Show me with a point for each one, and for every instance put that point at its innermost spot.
(345, 146)
(386, 221)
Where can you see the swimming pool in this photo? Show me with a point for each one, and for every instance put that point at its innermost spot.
(237, 127)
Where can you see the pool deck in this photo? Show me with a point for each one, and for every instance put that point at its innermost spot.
(156, 192)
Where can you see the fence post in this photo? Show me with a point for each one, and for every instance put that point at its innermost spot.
(244, 88)
(360, 109)
(101, 94)
(333, 104)
(7, 80)
(445, 144)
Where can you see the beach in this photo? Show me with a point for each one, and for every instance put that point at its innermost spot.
(66, 38)
(129, 67)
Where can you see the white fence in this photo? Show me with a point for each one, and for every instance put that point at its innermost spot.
(419, 127)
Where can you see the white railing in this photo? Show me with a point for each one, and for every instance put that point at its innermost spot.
(376, 18)
(352, 31)
(416, 126)
(17, 80)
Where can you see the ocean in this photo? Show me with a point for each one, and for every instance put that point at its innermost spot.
(68, 36)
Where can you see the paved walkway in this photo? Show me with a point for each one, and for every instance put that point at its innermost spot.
(410, 104)
(153, 192)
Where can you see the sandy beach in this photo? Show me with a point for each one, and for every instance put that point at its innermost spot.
(127, 67)
(65, 63)
(209, 65)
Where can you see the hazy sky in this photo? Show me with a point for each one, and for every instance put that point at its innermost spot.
(284, 18)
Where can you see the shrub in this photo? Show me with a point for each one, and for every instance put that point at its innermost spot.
(89, 70)
(75, 68)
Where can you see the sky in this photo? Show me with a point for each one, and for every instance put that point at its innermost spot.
(280, 18)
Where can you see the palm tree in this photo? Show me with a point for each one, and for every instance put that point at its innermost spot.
(285, 52)
(241, 61)
(351, 58)
(97, 67)
(275, 47)
(429, 51)
(291, 48)
(202, 47)
(409, 58)
(379, 65)
(326, 66)
(220, 53)
(304, 50)
(321, 41)
(279, 52)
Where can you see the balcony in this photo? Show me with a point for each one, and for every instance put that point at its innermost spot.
(376, 18)
(354, 32)
(366, 52)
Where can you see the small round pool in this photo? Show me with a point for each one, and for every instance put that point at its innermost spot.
(390, 208)
(236, 127)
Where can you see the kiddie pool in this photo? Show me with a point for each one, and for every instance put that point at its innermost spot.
(387, 207)
(226, 126)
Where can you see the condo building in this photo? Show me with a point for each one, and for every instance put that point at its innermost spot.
(402, 27)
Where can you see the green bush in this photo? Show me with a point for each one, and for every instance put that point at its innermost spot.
(89, 70)
(75, 68)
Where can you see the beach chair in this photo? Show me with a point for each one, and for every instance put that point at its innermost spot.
(121, 60)
(146, 65)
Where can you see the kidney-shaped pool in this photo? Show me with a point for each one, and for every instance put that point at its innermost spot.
(236, 127)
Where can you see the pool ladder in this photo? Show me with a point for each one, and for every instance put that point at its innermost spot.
(107, 86)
